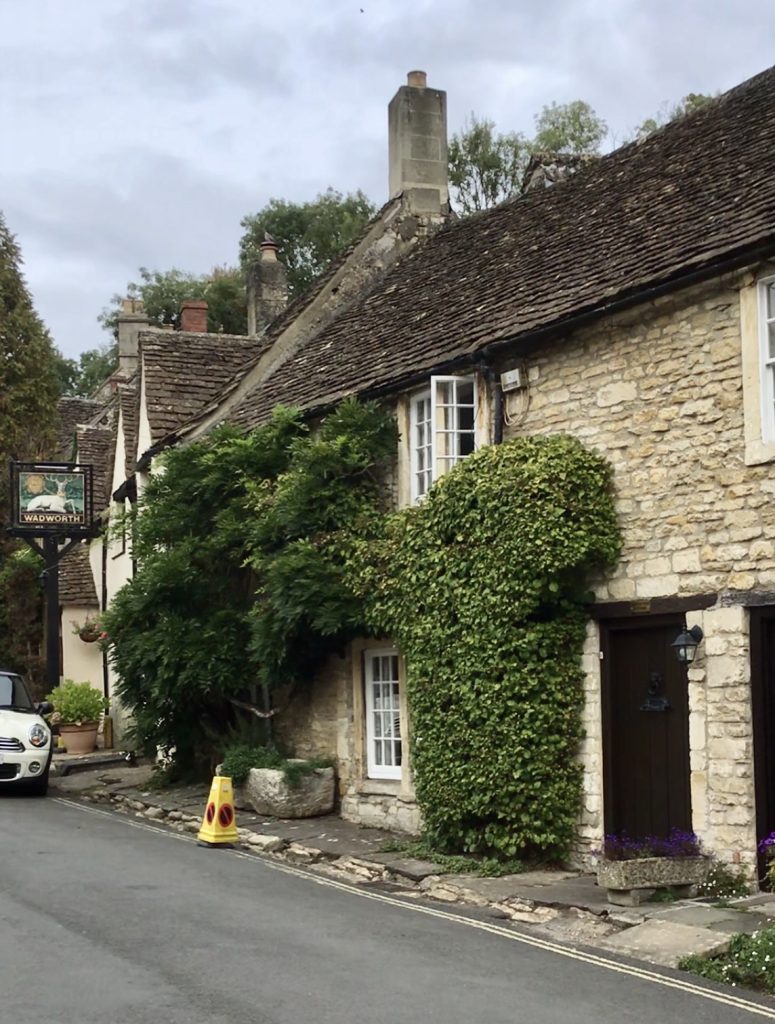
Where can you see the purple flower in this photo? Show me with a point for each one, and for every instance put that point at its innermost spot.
(677, 844)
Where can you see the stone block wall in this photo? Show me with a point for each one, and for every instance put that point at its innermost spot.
(659, 392)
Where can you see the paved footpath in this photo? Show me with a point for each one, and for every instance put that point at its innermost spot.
(112, 918)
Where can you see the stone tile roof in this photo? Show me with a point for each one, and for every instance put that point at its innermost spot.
(73, 411)
(697, 192)
(96, 446)
(128, 400)
(76, 582)
(183, 372)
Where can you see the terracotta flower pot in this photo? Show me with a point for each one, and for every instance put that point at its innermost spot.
(79, 739)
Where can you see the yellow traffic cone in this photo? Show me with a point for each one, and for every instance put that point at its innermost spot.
(219, 824)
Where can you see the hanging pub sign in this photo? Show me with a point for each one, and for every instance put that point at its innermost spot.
(51, 498)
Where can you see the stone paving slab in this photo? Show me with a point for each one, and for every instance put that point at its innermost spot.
(545, 888)
(696, 914)
(665, 943)
(412, 868)
(745, 923)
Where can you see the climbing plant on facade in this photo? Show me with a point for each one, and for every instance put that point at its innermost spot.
(240, 545)
(483, 587)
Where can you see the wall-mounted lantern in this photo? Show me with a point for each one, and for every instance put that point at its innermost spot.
(685, 644)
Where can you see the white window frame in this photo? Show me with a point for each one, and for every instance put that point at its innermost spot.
(766, 361)
(376, 768)
(423, 477)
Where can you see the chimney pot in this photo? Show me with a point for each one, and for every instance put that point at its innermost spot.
(193, 316)
(417, 79)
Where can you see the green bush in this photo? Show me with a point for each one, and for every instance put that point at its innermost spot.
(238, 761)
(76, 703)
(750, 962)
(483, 586)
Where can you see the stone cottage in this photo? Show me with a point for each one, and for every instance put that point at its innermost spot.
(631, 304)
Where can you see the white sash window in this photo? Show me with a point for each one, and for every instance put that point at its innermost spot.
(383, 716)
(767, 349)
(443, 429)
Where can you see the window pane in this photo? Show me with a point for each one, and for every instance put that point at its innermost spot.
(465, 418)
(397, 749)
(771, 301)
(445, 394)
(466, 444)
(378, 752)
(375, 670)
(394, 671)
(771, 339)
(465, 392)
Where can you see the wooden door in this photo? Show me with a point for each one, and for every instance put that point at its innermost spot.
(646, 728)
(763, 709)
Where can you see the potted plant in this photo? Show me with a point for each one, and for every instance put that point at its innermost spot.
(90, 630)
(77, 710)
(632, 869)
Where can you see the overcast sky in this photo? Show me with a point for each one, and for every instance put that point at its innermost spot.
(139, 132)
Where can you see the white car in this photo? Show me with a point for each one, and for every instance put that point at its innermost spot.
(25, 738)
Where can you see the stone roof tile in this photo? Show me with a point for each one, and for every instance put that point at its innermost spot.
(697, 192)
(183, 372)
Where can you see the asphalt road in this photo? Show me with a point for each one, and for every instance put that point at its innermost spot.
(104, 921)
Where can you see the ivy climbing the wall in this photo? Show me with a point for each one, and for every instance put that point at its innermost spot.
(483, 587)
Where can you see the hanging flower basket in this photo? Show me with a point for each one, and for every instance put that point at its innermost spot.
(90, 631)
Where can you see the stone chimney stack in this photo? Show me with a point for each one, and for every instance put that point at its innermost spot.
(131, 320)
(267, 288)
(193, 316)
(417, 141)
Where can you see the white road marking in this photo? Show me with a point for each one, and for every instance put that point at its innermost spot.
(642, 973)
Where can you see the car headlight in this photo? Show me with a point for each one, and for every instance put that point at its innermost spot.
(38, 736)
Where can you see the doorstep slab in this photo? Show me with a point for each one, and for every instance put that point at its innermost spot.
(698, 915)
(665, 943)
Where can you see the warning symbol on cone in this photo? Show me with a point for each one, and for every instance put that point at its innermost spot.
(219, 827)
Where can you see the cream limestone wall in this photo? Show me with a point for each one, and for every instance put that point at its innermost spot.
(659, 392)
(327, 719)
(81, 662)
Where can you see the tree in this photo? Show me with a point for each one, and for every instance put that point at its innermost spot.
(666, 113)
(569, 128)
(486, 167)
(309, 235)
(29, 388)
(163, 292)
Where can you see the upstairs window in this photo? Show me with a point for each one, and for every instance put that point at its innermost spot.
(443, 429)
(767, 349)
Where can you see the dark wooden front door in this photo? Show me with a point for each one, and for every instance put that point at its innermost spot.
(763, 709)
(646, 728)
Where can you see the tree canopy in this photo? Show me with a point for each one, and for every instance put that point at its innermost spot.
(487, 167)
(309, 234)
(29, 388)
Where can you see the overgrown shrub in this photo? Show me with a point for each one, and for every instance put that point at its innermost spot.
(238, 761)
(483, 586)
(239, 543)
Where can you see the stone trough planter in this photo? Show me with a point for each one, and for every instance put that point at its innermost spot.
(630, 882)
(268, 792)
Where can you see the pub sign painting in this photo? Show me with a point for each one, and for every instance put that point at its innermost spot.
(51, 498)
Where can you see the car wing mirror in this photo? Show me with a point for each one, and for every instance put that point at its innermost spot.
(44, 708)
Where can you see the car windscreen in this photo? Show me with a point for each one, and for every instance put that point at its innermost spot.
(13, 692)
